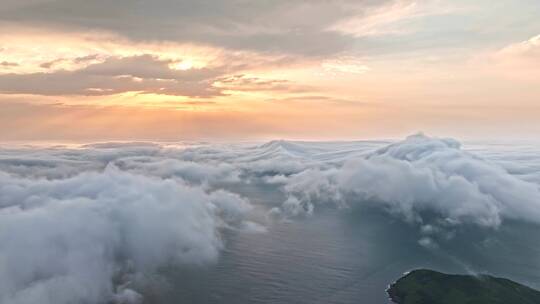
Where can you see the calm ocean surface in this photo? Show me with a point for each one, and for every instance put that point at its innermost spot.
(343, 257)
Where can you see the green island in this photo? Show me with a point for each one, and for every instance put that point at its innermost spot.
(430, 287)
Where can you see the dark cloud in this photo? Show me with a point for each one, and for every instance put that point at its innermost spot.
(78, 60)
(8, 64)
(296, 26)
(50, 64)
(143, 73)
(250, 83)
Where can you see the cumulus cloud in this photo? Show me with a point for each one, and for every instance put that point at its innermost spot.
(433, 183)
(193, 172)
(69, 240)
(422, 176)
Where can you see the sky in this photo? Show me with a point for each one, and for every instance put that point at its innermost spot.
(79, 70)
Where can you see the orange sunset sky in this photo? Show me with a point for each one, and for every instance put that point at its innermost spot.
(78, 70)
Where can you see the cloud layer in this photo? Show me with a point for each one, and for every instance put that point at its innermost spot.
(428, 182)
(230, 24)
(88, 238)
(92, 223)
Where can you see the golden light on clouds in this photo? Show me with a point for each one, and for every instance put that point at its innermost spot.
(31, 49)
(358, 64)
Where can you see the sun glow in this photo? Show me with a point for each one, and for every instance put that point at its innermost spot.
(183, 65)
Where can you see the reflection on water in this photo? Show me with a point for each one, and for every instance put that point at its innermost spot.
(344, 257)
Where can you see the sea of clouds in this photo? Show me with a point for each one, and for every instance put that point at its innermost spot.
(91, 223)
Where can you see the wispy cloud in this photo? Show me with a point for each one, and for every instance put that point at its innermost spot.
(525, 52)
(391, 18)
